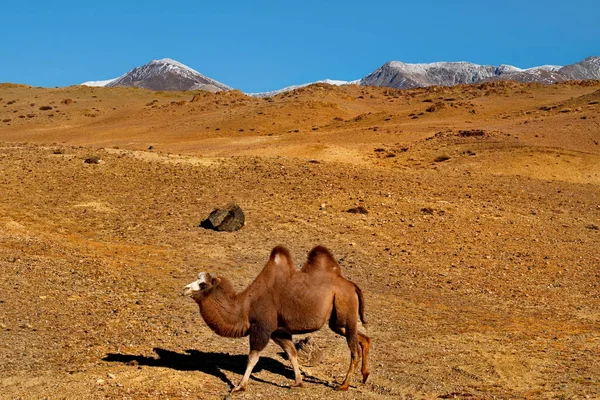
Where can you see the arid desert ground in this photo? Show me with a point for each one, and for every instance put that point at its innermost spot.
(477, 250)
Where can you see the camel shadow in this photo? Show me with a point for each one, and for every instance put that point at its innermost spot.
(210, 363)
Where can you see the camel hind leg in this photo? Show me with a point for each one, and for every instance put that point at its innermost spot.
(365, 344)
(344, 321)
(352, 340)
(347, 328)
(284, 340)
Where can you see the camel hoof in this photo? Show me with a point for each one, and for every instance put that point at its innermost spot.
(343, 388)
(297, 385)
(238, 389)
(365, 376)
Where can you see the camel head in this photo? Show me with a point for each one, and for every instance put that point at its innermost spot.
(203, 284)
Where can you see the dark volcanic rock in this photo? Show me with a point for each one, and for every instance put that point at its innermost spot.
(228, 218)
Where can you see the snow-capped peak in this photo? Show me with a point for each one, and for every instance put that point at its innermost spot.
(169, 63)
(167, 74)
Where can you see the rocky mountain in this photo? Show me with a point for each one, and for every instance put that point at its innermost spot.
(293, 87)
(401, 75)
(406, 76)
(586, 69)
(164, 74)
(167, 74)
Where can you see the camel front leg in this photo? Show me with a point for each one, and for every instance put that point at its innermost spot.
(259, 338)
(252, 360)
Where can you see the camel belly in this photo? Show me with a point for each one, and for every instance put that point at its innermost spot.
(305, 314)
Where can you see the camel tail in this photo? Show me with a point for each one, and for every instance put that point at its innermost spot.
(361, 304)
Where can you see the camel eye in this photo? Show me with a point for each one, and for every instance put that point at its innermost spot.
(203, 286)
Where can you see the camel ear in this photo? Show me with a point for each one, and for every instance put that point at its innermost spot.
(215, 281)
(204, 277)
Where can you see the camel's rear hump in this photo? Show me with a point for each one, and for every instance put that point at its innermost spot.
(321, 260)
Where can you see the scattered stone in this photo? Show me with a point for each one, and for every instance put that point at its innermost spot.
(436, 107)
(111, 376)
(592, 227)
(92, 160)
(226, 219)
(45, 108)
(472, 133)
(67, 101)
(442, 158)
(197, 97)
(358, 210)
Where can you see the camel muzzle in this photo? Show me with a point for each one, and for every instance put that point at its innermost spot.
(189, 289)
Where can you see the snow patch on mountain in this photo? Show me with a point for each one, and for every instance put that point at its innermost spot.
(99, 83)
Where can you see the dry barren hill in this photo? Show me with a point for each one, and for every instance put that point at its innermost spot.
(478, 252)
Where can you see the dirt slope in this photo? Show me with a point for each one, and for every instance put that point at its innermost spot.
(478, 256)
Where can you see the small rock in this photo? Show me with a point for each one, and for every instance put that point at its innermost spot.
(92, 160)
(111, 376)
(100, 381)
(358, 210)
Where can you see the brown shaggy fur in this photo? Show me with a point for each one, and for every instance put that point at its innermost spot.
(283, 301)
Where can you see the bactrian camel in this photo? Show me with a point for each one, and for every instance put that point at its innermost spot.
(283, 301)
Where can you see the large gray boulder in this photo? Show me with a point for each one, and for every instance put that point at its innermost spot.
(225, 219)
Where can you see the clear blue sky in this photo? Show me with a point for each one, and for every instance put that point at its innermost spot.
(266, 45)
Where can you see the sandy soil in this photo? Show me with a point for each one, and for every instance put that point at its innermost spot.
(478, 256)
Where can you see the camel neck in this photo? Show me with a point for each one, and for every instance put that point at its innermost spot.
(225, 311)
